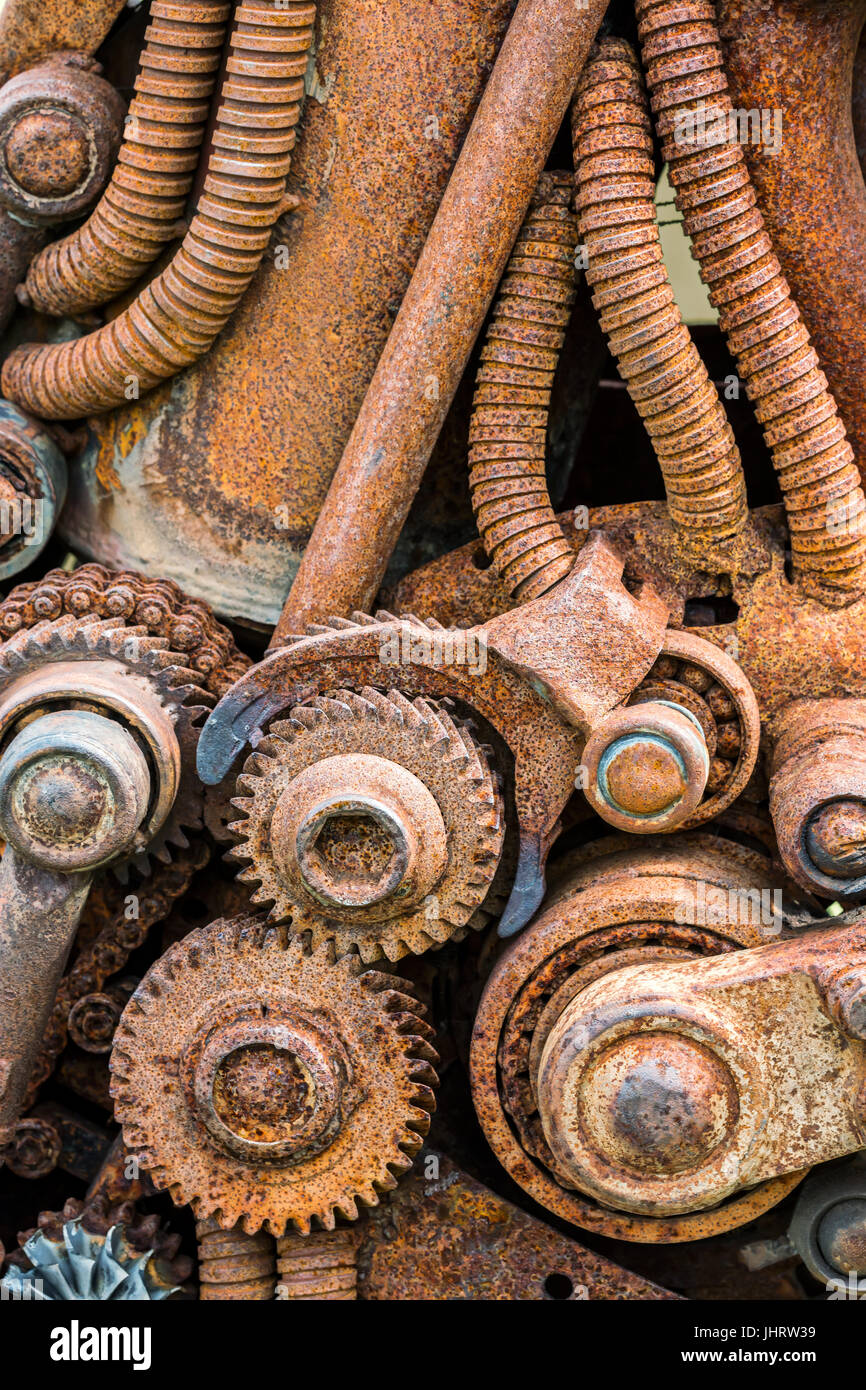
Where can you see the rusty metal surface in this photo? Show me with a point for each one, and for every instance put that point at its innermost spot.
(233, 1265)
(797, 59)
(447, 1237)
(615, 201)
(815, 464)
(508, 433)
(371, 821)
(218, 480)
(673, 901)
(320, 1267)
(175, 319)
(272, 1115)
(442, 311)
(30, 30)
(144, 204)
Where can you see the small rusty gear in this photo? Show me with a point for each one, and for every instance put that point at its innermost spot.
(264, 1083)
(126, 657)
(452, 807)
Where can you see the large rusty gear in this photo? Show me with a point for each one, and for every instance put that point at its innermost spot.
(419, 738)
(264, 1083)
(130, 654)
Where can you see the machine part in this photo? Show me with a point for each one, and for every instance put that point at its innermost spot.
(217, 478)
(647, 766)
(442, 311)
(319, 1267)
(444, 1236)
(34, 1148)
(98, 729)
(615, 198)
(30, 29)
(295, 1088)
(32, 489)
(702, 681)
(770, 343)
(95, 1252)
(92, 1021)
(508, 433)
(690, 899)
(86, 668)
(828, 1229)
(18, 244)
(176, 318)
(104, 951)
(370, 821)
(185, 625)
(536, 677)
(142, 207)
(793, 64)
(60, 125)
(233, 1266)
(818, 795)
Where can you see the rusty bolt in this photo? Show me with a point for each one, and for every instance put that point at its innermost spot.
(354, 831)
(74, 789)
(47, 153)
(657, 1103)
(836, 838)
(647, 766)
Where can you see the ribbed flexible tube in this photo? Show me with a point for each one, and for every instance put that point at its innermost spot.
(508, 433)
(615, 203)
(814, 461)
(233, 1266)
(176, 318)
(319, 1267)
(139, 210)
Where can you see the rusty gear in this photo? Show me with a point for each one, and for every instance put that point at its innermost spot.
(457, 788)
(158, 605)
(264, 1083)
(131, 653)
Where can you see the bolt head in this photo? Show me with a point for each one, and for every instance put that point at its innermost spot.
(48, 154)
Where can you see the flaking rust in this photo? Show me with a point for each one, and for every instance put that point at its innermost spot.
(573, 831)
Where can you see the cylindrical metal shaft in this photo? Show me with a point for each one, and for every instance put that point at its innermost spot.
(39, 914)
(452, 288)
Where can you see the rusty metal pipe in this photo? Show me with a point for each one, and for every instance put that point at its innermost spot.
(508, 433)
(139, 211)
(39, 915)
(818, 478)
(452, 288)
(666, 379)
(792, 63)
(175, 319)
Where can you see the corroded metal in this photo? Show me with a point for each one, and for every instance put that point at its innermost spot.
(304, 1088)
(771, 344)
(30, 30)
(508, 433)
(442, 311)
(217, 480)
(233, 1265)
(690, 900)
(175, 319)
(792, 64)
(615, 199)
(319, 1267)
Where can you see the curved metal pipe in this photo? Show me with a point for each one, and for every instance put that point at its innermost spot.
(176, 318)
(793, 63)
(508, 433)
(139, 210)
(666, 379)
(694, 115)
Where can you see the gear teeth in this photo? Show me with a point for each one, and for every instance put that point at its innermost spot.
(225, 959)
